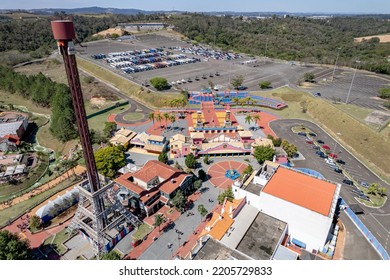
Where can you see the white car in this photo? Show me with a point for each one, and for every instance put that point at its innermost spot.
(329, 161)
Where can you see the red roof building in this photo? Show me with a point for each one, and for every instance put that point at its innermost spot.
(154, 185)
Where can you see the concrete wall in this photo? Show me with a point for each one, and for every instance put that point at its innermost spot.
(305, 225)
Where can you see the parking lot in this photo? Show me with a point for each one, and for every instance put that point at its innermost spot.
(278, 73)
(375, 219)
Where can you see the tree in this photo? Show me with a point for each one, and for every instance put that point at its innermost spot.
(228, 194)
(373, 189)
(159, 83)
(263, 153)
(236, 100)
(112, 255)
(275, 141)
(265, 84)
(256, 118)
(109, 160)
(202, 211)
(206, 159)
(384, 93)
(172, 119)
(97, 137)
(158, 118)
(309, 77)
(151, 117)
(382, 191)
(290, 149)
(62, 124)
(109, 128)
(191, 161)
(158, 220)
(198, 184)
(179, 200)
(248, 170)
(166, 117)
(237, 81)
(202, 175)
(35, 222)
(248, 119)
(12, 247)
(163, 157)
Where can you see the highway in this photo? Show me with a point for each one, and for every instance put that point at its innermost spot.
(377, 220)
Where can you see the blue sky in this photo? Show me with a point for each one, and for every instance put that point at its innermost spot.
(321, 6)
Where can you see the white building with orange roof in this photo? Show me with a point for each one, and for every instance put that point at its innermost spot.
(307, 204)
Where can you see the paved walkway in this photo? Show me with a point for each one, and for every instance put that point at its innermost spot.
(340, 244)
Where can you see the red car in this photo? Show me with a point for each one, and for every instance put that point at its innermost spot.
(309, 142)
(332, 155)
(325, 147)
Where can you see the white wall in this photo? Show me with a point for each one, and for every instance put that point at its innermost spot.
(260, 181)
(251, 199)
(307, 226)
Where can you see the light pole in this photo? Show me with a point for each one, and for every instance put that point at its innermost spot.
(335, 144)
(335, 64)
(353, 78)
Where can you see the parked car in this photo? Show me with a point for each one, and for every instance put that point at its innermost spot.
(347, 182)
(319, 152)
(308, 141)
(302, 133)
(363, 196)
(320, 141)
(332, 155)
(323, 155)
(316, 148)
(338, 170)
(325, 147)
(364, 184)
(340, 161)
(329, 161)
(312, 134)
(317, 94)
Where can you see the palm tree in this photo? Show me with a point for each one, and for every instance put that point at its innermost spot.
(166, 118)
(248, 119)
(236, 100)
(152, 117)
(173, 102)
(158, 118)
(249, 100)
(172, 118)
(256, 118)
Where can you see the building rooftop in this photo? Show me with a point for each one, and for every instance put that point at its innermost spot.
(301, 189)
(245, 133)
(156, 138)
(177, 137)
(173, 183)
(215, 250)
(123, 136)
(253, 188)
(197, 135)
(262, 238)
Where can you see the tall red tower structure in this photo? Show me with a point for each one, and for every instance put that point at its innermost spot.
(99, 209)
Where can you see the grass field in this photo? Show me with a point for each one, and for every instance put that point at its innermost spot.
(132, 90)
(97, 122)
(57, 240)
(133, 116)
(15, 99)
(142, 231)
(370, 146)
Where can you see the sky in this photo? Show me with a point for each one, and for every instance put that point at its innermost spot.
(309, 6)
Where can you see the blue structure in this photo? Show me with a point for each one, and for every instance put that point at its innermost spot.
(232, 174)
(311, 172)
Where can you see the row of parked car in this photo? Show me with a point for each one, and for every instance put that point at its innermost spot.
(332, 159)
(208, 53)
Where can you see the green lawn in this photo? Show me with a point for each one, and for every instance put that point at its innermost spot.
(15, 99)
(24, 206)
(97, 122)
(57, 240)
(133, 116)
(142, 231)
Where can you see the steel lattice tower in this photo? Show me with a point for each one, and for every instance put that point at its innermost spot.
(99, 209)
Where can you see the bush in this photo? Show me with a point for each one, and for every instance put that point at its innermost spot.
(309, 77)
(163, 157)
(384, 93)
(265, 84)
(190, 161)
(387, 104)
(159, 83)
(202, 175)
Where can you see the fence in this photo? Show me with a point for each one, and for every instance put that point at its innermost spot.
(367, 234)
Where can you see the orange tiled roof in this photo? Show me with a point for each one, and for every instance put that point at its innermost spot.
(124, 180)
(301, 189)
(170, 186)
(221, 227)
(154, 168)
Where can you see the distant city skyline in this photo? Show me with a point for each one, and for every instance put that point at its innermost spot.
(291, 6)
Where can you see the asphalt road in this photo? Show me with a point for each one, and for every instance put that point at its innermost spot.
(376, 220)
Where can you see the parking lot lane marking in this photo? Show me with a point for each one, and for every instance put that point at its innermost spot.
(379, 222)
(379, 235)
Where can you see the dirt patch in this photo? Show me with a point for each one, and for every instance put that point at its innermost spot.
(98, 91)
(385, 38)
(98, 101)
(111, 31)
(377, 118)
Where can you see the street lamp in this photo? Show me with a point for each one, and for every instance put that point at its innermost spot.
(353, 78)
(335, 64)
(335, 144)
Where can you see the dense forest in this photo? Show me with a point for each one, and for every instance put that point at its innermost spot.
(295, 38)
(289, 38)
(46, 93)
